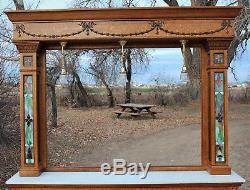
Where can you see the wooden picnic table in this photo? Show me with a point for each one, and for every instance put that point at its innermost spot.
(136, 109)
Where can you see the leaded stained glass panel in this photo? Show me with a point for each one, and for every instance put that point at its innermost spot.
(28, 115)
(219, 117)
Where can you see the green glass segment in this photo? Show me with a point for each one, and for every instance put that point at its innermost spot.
(219, 117)
(28, 116)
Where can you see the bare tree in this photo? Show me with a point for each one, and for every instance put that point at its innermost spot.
(19, 4)
(54, 64)
(242, 36)
(104, 67)
(53, 73)
(8, 88)
(8, 71)
(237, 46)
(74, 69)
(133, 57)
(242, 33)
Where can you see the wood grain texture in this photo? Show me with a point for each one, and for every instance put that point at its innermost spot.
(204, 108)
(125, 13)
(43, 132)
(33, 70)
(218, 167)
(181, 19)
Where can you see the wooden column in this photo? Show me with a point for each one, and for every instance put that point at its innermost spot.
(43, 133)
(204, 107)
(218, 106)
(29, 109)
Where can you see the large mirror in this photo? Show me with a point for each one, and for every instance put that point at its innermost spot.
(141, 105)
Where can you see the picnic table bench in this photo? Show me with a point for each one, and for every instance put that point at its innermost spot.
(136, 109)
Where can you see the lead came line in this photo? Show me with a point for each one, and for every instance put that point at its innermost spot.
(28, 121)
(219, 117)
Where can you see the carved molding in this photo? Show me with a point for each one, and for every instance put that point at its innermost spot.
(27, 47)
(89, 27)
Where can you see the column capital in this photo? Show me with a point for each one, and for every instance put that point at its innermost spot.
(28, 47)
(217, 44)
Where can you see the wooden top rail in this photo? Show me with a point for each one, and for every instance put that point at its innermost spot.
(218, 12)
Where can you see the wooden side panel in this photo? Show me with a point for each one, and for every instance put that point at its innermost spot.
(29, 122)
(204, 108)
(42, 110)
(218, 91)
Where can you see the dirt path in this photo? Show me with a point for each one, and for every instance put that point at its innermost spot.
(168, 147)
(175, 147)
(93, 136)
(239, 141)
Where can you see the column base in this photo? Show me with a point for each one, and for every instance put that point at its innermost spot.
(29, 172)
(219, 170)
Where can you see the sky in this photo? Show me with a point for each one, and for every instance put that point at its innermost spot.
(165, 62)
(60, 4)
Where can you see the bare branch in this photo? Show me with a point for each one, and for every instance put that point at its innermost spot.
(19, 4)
(171, 3)
(242, 34)
(232, 69)
(233, 3)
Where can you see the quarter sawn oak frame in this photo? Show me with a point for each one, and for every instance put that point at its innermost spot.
(208, 43)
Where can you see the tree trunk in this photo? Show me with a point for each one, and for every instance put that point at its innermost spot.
(110, 99)
(192, 59)
(244, 3)
(110, 96)
(85, 99)
(53, 105)
(72, 92)
(129, 76)
(171, 2)
(19, 4)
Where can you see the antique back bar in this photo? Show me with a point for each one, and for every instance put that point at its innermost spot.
(209, 28)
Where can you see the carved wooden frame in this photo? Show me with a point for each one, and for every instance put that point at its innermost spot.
(209, 43)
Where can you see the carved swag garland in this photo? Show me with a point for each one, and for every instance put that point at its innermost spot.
(89, 26)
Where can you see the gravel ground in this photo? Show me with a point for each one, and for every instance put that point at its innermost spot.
(239, 141)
